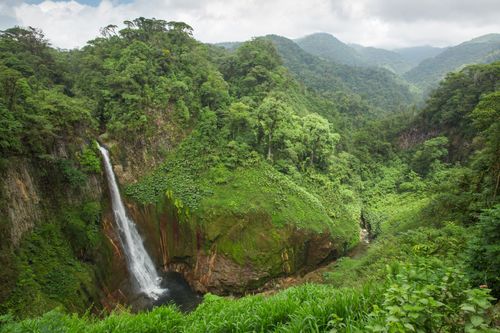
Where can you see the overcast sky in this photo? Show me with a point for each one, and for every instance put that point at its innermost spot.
(381, 23)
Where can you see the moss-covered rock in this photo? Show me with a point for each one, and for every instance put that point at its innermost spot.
(251, 225)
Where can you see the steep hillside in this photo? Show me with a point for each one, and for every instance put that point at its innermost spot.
(54, 250)
(449, 108)
(483, 49)
(328, 47)
(376, 57)
(377, 87)
(456, 139)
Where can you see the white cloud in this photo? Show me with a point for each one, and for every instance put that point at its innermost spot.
(7, 15)
(384, 23)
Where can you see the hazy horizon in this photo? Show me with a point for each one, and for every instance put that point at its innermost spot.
(387, 24)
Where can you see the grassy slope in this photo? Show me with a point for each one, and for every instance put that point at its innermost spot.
(210, 190)
(398, 210)
(250, 210)
(295, 310)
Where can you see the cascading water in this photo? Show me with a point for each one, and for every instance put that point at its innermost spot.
(139, 262)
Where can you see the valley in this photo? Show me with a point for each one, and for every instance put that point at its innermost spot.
(155, 183)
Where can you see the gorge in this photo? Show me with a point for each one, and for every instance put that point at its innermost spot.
(221, 178)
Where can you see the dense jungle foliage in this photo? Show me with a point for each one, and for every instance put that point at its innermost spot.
(254, 130)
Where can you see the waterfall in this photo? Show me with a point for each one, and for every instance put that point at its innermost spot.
(139, 262)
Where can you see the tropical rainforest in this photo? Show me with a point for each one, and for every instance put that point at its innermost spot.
(296, 186)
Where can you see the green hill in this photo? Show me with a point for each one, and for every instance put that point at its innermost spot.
(377, 87)
(328, 47)
(377, 57)
(483, 49)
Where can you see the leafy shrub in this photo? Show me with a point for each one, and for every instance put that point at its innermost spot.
(484, 251)
(431, 152)
(81, 227)
(90, 161)
(71, 175)
(429, 296)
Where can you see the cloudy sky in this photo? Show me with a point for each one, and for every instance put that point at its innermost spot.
(381, 23)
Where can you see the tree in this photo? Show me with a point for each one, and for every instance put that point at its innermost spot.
(485, 118)
(318, 137)
(432, 151)
(108, 31)
(30, 38)
(271, 115)
(214, 92)
(239, 119)
(9, 131)
(484, 251)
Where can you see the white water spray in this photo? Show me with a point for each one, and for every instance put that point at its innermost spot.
(139, 263)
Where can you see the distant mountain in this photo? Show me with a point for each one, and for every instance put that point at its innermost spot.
(415, 55)
(328, 47)
(228, 45)
(378, 87)
(428, 73)
(421, 66)
(376, 57)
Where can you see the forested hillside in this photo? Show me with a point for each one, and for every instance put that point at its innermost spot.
(376, 87)
(428, 73)
(293, 193)
(390, 60)
(330, 48)
(49, 174)
(327, 65)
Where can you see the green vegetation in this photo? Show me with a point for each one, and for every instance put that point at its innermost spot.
(425, 296)
(429, 72)
(45, 131)
(35, 107)
(258, 151)
(328, 47)
(57, 262)
(390, 60)
(377, 90)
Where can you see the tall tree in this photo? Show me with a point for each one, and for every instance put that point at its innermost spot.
(318, 137)
(271, 115)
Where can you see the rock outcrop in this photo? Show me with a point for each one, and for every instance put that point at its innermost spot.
(230, 257)
(23, 205)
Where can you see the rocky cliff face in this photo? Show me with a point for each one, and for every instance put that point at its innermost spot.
(35, 198)
(23, 207)
(28, 196)
(224, 255)
(228, 256)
